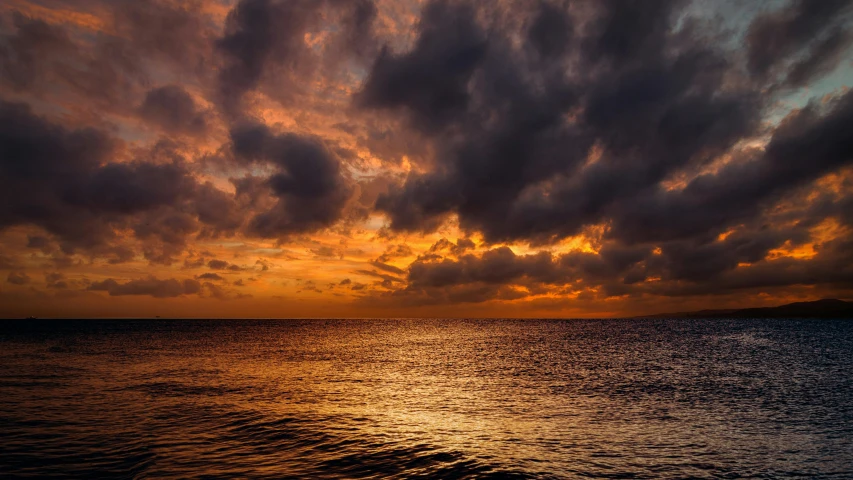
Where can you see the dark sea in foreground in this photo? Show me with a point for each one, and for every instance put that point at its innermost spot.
(426, 398)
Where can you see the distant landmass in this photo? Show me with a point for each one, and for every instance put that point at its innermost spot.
(828, 308)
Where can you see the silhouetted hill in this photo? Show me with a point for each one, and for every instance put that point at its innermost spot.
(828, 308)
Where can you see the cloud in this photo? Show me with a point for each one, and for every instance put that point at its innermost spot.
(529, 154)
(41, 164)
(808, 143)
(824, 57)
(461, 245)
(497, 266)
(629, 32)
(148, 286)
(268, 38)
(813, 29)
(219, 211)
(386, 267)
(257, 32)
(37, 241)
(55, 280)
(308, 183)
(175, 32)
(8, 263)
(109, 68)
(394, 251)
(220, 293)
(551, 30)
(128, 188)
(223, 265)
(18, 278)
(22, 53)
(217, 264)
(173, 109)
(431, 80)
(624, 149)
(511, 165)
(326, 252)
(210, 276)
(740, 261)
(67, 182)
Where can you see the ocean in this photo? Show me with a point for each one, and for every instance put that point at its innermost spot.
(426, 398)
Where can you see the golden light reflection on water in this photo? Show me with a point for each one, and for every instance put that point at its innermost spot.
(442, 398)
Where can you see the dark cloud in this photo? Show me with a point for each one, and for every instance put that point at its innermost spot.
(218, 264)
(267, 38)
(431, 81)
(803, 28)
(654, 133)
(808, 143)
(740, 261)
(18, 278)
(395, 251)
(173, 109)
(217, 210)
(496, 266)
(128, 188)
(627, 32)
(148, 286)
(308, 185)
(512, 152)
(67, 182)
(55, 280)
(175, 32)
(22, 54)
(551, 30)
(386, 267)
(649, 104)
(824, 57)
(222, 293)
(8, 263)
(109, 68)
(42, 164)
(327, 252)
(461, 245)
(386, 279)
(37, 241)
(357, 33)
(258, 31)
(210, 276)
(309, 286)
(830, 267)
(165, 232)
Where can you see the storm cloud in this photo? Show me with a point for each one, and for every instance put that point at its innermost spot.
(308, 182)
(67, 182)
(575, 150)
(172, 108)
(148, 286)
(513, 166)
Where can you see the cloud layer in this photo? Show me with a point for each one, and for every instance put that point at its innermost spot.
(628, 152)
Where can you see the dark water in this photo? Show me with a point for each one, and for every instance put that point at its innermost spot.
(427, 398)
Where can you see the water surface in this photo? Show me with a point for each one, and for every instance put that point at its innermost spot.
(431, 398)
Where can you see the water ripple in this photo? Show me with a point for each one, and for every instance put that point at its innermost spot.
(427, 399)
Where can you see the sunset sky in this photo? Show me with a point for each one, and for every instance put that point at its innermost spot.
(397, 158)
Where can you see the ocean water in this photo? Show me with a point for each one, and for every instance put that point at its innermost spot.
(427, 398)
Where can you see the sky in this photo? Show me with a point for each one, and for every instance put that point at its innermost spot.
(439, 158)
